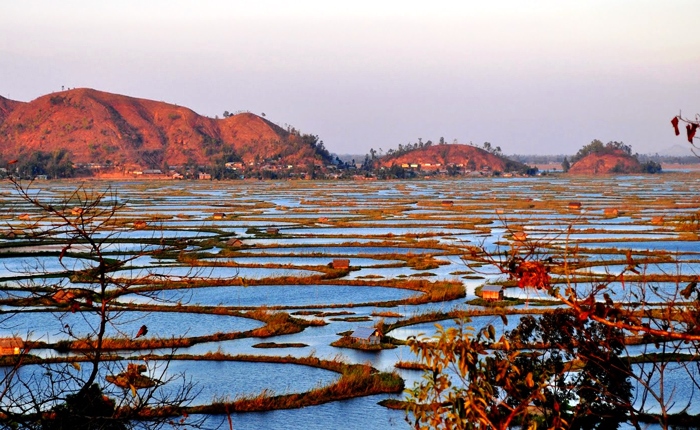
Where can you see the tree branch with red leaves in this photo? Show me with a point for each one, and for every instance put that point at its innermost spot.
(691, 127)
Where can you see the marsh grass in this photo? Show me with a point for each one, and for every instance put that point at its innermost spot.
(411, 365)
(322, 314)
(472, 211)
(352, 319)
(348, 342)
(429, 291)
(279, 345)
(276, 323)
(457, 314)
(387, 314)
(356, 380)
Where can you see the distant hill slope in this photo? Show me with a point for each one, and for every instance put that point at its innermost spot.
(676, 151)
(470, 157)
(6, 107)
(99, 127)
(616, 161)
(612, 157)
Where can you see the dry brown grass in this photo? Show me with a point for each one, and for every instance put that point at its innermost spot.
(386, 314)
(356, 380)
(411, 365)
(348, 342)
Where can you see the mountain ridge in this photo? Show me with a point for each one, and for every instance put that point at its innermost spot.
(98, 127)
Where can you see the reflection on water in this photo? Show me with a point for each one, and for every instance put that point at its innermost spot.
(232, 379)
(302, 261)
(676, 386)
(51, 326)
(277, 295)
(356, 414)
(343, 250)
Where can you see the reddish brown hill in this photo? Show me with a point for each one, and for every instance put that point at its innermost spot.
(7, 106)
(99, 127)
(470, 157)
(616, 161)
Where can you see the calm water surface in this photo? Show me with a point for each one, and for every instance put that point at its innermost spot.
(367, 223)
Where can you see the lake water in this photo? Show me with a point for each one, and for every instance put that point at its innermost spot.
(374, 225)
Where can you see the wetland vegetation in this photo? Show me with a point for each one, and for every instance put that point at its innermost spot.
(82, 273)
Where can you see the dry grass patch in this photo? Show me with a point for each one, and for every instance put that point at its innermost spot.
(386, 314)
(411, 365)
(348, 342)
(356, 380)
(279, 345)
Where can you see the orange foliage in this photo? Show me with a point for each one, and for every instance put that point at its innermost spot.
(532, 274)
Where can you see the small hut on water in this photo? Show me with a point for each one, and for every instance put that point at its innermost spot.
(11, 345)
(492, 292)
(366, 335)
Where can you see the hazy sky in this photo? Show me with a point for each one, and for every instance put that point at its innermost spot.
(529, 76)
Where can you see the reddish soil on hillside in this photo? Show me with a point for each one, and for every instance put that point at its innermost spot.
(7, 106)
(617, 161)
(99, 127)
(455, 154)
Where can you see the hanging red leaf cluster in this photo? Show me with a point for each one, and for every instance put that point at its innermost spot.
(533, 274)
(690, 128)
(674, 121)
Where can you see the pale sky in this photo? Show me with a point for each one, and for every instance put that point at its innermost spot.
(529, 76)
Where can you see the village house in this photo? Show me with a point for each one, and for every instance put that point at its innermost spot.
(218, 215)
(340, 263)
(272, 230)
(234, 243)
(235, 165)
(366, 335)
(430, 167)
(204, 176)
(492, 292)
(11, 345)
(520, 236)
(611, 212)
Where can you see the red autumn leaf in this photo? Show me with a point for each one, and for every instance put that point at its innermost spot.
(532, 274)
(691, 128)
(674, 121)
